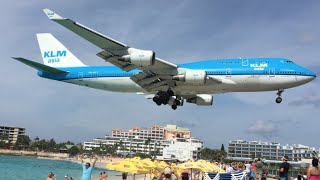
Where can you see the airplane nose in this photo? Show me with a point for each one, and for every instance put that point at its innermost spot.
(314, 75)
(311, 76)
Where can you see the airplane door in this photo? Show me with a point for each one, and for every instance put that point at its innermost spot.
(245, 62)
(272, 72)
(80, 76)
(228, 72)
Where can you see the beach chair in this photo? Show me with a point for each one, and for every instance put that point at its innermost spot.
(225, 176)
(238, 175)
(211, 176)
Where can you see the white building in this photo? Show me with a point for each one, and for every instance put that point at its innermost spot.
(182, 150)
(150, 141)
(10, 134)
(269, 150)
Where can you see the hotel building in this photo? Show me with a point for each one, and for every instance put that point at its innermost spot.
(150, 141)
(269, 150)
(10, 134)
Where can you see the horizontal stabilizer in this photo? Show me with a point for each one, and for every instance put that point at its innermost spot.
(40, 66)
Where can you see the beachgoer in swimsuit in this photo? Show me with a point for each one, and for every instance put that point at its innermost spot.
(314, 171)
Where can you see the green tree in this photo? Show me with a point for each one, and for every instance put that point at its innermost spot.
(222, 148)
(52, 146)
(4, 139)
(22, 142)
(73, 150)
(212, 154)
(147, 143)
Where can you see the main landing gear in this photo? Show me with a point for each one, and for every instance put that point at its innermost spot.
(279, 99)
(166, 97)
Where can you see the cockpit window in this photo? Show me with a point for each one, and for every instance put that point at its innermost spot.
(288, 61)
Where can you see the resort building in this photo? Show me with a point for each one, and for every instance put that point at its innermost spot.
(10, 134)
(158, 140)
(269, 150)
(182, 150)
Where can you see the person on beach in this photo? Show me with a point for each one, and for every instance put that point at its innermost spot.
(253, 170)
(50, 176)
(87, 168)
(313, 172)
(65, 177)
(248, 169)
(103, 176)
(124, 176)
(259, 166)
(185, 175)
(284, 168)
(167, 173)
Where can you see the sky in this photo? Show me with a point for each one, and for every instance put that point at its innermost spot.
(179, 32)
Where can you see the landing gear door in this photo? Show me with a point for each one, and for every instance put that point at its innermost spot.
(272, 72)
(228, 72)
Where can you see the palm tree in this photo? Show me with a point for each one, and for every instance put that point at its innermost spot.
(137, 150)
(147, 142)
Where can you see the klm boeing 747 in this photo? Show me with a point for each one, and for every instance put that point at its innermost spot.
(140, 71)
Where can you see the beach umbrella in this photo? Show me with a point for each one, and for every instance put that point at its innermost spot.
(113, 166)
(148, 163)
(195, 166)
(160, 164)
(216, 168)
(127, 166)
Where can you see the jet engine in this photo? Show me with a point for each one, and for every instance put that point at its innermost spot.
(202, 100)
(195, 77)
(140, 58)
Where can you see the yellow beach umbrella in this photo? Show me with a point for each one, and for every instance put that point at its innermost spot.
(113, 166)
(141, 162)
(127, 166)
(194, 165)
(148, 163)
(160, 164)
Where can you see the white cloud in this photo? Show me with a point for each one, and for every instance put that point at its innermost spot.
(264, 128)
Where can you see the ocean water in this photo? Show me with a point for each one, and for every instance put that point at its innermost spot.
(30, 168)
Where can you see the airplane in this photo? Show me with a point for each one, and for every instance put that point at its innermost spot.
(140, 71)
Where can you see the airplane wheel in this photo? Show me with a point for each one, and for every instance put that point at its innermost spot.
(158, 103)
(278, 100)
(170, 92)
(155, 99)
(177, 102)
(174, 107)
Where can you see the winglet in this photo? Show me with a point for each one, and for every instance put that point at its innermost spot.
(51, 14)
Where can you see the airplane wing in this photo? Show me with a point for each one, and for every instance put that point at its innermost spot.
(154, 77)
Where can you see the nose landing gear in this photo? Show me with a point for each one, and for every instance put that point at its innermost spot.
(279, 99)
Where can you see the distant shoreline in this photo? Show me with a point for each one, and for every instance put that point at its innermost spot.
(34, 154)
(101, 163)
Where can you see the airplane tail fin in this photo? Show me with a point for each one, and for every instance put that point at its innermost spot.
(54, 54)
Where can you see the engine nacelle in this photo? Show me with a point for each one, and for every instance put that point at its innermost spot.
(202, 100)
(140, 58)
(195, 77)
